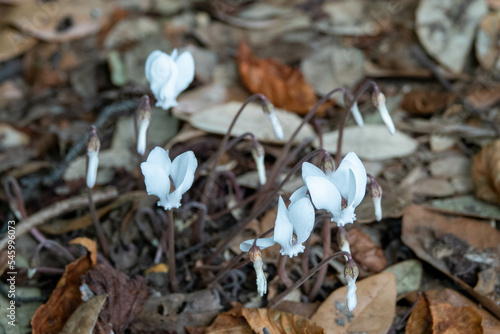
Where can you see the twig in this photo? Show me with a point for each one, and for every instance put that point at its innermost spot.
(282, 271)
(98, 227)
(171, 251)
(327, 239)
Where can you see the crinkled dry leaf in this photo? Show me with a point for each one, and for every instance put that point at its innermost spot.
(424, 103)
(486, 173)
(231, 322)
(421, 229)
(374, 313)
(91, 246)
(126, 297)
(60, 21)
(420, 321)
(64, 300)
(446, 29)
(83, 320)
(279, 322)
(14, 43)
(284, 86)
(447, 319)
(366, 253)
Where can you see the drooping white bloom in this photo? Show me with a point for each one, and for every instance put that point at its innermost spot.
(376, 191)
(145, 119)
(378, 99)
(293, 226)
(169, 75)
(278, 130)
(351, 298)
(158, 169)
(258, 157)
(348, 182)
(261, 277)
(93, 160)
(357, 114)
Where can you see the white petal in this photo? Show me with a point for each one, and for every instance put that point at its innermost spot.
(324, 194)
(283, 232)
(174, 54)
(308, 169)
(386, 117)
(301, 214)
(162, 73)
(277, 128)
(262, 243)
(185, 65)
(157, 181)
(341, 179)
(182, 171)
(261, 277)
(351, 298)
(93, 164)
(357, 114)
(377, 203)
(153, 56)
(142, 138)
(261, 168)
(160, 157)
(298, 194)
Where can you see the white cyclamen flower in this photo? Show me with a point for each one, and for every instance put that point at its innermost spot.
(357, 114)
(168, 76)
(159, 169)
(348, 182)
(258, 157)
(93, 160)
(145, 119)
(293, 226)
(278, 130)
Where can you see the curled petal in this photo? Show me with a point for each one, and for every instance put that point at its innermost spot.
(182, 171)
(159, 156)
(185, 65)
(142, 139)
(308, 169)
(261, 277)
(351, 298)
(386, 117)
(302, 216)
(262, 243)
(352, 191)
(283, 232)
(357, 114)
(378, 207)
(277, 128)
(324, 194)
(298, 194)
(157, 182)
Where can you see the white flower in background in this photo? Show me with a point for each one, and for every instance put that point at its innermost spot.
(168, 76)
(93, 160)
(277, 128)
(255, 256)
(375, 191)
(158, 170)
(351, 273)
(293, 226)
(378, 99)
(338, 192)
(258, 157)
(144, 120)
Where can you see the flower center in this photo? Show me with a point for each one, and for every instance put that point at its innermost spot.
(294, 239)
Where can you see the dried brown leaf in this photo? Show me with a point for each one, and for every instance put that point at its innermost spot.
(284, 86)
(447, 319)
(83, 320)
(125, 300)
(374, 313)
(486, 173)
(424, 103)
(231, 322)
(420, 320)
(366, 253)
(91, 246)
(279, 322)
(64, 300)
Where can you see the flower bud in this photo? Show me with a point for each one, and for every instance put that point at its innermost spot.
(351, 273)
(357, 114)
(328, 164)
(258, 157)
(144, 120)
(375, 191)
(378, 99)
(93, 161)
(269, 110)
(255, 256)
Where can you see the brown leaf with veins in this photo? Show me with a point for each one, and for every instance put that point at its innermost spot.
(125, 297)
(66, 297)
(366, 253)
(486, 173)
(283, 85)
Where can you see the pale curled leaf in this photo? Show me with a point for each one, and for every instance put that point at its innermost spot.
(83, 320)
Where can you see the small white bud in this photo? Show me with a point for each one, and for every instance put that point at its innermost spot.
(378, 99)
(255, 256)
(144, 120)
(278, 130)
(351, 273)
(351, 298)
(357, 114)
(93, 160)
(375, 191)
(258, 157)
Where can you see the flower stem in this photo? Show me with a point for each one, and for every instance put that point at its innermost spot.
(279, 298)
(98, 227)
(171, 252)
(327, 239)
(282, 271)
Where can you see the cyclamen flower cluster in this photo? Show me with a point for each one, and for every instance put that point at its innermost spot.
(338, 192)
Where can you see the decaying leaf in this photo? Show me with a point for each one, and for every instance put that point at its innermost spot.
(284, 86)
(447, 311)
(230, 322)
(252, 119)
(487, 50)
(366, 253)
(279, 322)
(374, 313)
(14, 43)
(64, 300)
(83, 320)
(91, 246)
(486, 173)
(371, 142)
(125, 300)
(446, 29)
(432, 237)
(408, 275)
(424, 103)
